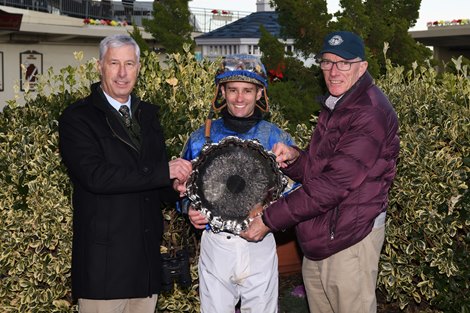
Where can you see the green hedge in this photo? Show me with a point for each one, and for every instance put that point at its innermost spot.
(426, 254)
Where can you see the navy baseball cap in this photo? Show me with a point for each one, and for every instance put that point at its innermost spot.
(344, 44)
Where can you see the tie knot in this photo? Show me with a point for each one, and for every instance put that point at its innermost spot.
(124, 110)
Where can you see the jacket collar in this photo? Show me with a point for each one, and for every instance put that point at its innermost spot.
(145, 118)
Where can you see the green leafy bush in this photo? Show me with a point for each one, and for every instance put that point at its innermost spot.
(295, 95)
(35, 213)
(426, 254)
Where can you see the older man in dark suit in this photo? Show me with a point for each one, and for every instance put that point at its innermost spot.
(113, 147)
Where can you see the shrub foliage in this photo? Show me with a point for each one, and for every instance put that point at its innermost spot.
(426, 253)
(425, 260)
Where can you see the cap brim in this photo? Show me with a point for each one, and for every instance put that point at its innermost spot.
(341, 53)
(240, 78)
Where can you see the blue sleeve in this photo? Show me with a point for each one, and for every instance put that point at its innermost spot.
(187, 150)
(288, 140)
(282, 136)
(182, 204)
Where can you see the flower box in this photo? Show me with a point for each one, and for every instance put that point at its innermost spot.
(222, 17)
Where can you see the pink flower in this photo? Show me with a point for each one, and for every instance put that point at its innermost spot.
(298, 291)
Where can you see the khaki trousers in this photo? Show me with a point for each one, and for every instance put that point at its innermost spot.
(346, 281)
(135, 305)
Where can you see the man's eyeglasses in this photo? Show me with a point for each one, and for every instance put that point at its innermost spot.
(327, 65)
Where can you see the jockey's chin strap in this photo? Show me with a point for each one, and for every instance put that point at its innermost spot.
(207, 126)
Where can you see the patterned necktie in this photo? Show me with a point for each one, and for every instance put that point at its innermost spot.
(124, 110)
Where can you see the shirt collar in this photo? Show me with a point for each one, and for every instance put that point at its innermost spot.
(116, 104)
(331, 101)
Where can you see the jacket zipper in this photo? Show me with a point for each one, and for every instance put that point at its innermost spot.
(120, 138)
(333, 221)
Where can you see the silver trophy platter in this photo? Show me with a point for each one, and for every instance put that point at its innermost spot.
(229, 178)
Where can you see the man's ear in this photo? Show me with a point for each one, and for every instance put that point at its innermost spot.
(363, 67)
(222, 89)
(259, 92)
(98, 67)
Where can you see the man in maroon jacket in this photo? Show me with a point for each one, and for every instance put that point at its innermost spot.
(346, 173)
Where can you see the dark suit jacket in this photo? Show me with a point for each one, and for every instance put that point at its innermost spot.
(118, 190)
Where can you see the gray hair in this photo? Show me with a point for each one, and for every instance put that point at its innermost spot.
(116, 41)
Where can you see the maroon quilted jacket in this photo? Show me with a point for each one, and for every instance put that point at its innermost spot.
(346, 173)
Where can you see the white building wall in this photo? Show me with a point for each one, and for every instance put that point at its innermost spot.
(264, 6)
(56, 56)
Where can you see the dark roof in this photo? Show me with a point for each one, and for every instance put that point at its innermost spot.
(247, 27)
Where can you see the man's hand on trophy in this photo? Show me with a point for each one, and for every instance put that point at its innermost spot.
(179, 172)
(198, 220)
(285, 155)
(256, 230)
(180, 169)
(179, 187)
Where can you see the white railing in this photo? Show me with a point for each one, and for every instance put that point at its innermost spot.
(203, 20)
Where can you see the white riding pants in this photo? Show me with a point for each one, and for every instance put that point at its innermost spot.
(233, 269)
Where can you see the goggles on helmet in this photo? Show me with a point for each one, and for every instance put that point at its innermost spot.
(240, 67)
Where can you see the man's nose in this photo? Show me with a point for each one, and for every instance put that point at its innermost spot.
(122, 70)
(334, 69)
